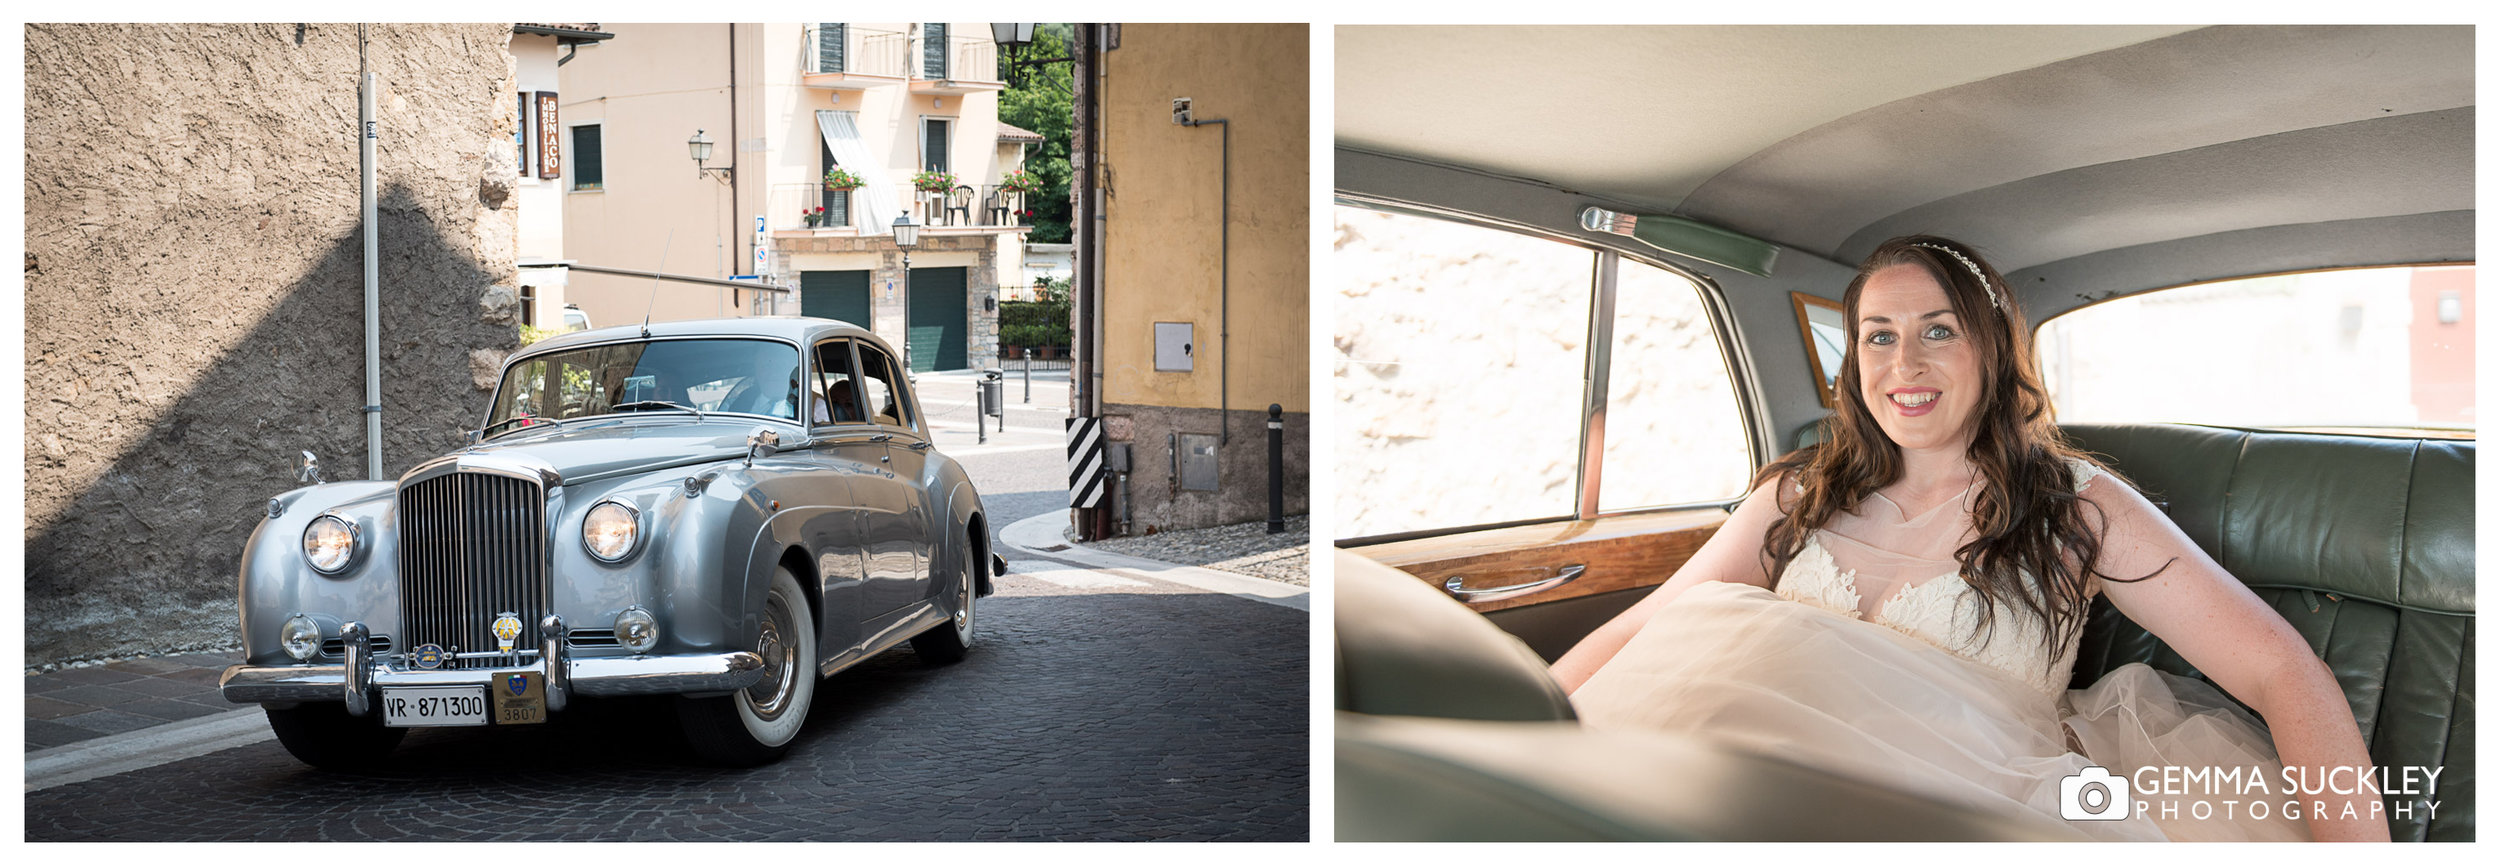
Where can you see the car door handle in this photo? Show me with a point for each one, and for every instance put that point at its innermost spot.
(921, 446)
(1457, 589)
(881, 438)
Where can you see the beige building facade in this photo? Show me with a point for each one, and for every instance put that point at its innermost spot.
(1204, 283)
(781, 104)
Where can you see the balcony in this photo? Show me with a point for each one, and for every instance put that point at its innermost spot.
(967, 65)
(843, 57)
(965, 209)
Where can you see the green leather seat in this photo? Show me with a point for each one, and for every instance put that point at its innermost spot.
(2365, 544)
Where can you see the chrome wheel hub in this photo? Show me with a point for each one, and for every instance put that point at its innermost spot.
(770, 696)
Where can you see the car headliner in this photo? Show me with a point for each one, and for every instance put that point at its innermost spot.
(2085, 161)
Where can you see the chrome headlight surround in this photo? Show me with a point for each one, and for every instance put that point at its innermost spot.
(637, 630)
(300, 637)
(612, 531)
(331, 543)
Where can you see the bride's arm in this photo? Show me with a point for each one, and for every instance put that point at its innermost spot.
(2225, 631)
(1734, 553)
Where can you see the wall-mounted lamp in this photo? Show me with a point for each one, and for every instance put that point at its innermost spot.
(700, 147)
(1016, 39)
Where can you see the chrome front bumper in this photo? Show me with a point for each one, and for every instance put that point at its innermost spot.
(355, 681)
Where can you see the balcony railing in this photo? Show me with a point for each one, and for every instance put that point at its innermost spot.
(969, 65)
(845, 49)
(965, 207)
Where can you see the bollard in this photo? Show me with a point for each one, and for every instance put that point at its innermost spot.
(980, 408)
(1275, 468)
(1028, 374)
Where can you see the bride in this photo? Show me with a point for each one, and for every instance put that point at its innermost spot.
(1904, 601)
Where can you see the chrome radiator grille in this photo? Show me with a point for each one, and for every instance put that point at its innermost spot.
(471, 546)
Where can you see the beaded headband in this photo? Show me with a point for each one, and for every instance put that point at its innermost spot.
(1993, 300)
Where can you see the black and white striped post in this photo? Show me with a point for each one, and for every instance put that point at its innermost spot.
(1085, 476)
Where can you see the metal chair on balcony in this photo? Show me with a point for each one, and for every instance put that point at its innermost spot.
(959, 201)
(997, 207)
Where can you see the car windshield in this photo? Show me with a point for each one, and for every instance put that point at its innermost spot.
(755, 377)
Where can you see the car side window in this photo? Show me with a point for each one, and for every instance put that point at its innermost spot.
(1465, 346)
(836, 398)
(2368, 350)
(883, 400)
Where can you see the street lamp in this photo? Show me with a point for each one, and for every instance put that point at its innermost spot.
(700, 147)
(906, 236)
(1014, 39)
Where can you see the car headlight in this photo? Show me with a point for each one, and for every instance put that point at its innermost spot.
(637, 630)
(610, 530)
(300, 637)
(329, 543)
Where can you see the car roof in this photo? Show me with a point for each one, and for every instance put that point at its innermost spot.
(2084, 161)
(797, 329)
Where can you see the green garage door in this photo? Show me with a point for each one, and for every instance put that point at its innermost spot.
(938, 340)
(839, 295)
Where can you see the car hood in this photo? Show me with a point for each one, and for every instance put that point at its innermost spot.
(588, 451)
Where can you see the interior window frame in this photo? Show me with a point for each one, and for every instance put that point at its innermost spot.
(1607, 261)
(2398, 431)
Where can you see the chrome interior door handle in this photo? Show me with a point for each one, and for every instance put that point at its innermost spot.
(1455, 586)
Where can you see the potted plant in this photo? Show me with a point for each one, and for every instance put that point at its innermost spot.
(837, 180)
(813, 216)
(1020, 181)
(933, 181)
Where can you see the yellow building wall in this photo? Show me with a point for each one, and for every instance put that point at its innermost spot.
(1165, 221)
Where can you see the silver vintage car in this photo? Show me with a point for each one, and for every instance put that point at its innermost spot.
(724, 511)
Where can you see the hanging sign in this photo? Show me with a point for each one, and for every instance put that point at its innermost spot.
(550, 149)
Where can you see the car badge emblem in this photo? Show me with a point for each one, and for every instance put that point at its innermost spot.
(507, 628)
(518, 684)
(427, 656)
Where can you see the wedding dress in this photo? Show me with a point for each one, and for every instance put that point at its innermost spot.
(1871, 660)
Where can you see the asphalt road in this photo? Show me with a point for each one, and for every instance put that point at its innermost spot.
(1095, 706)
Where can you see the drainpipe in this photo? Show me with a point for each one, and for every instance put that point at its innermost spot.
(373, 265)
(1224, 320)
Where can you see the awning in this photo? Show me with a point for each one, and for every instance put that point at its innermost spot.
(875, 198)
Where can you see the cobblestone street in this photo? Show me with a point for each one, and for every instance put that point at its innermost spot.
(1149, 713)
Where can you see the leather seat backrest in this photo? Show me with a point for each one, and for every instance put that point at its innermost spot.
(2364, 544)
(1406, 649)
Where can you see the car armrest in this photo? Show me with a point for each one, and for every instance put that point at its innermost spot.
(1404, 648)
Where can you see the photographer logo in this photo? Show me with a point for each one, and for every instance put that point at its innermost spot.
(2094, 795)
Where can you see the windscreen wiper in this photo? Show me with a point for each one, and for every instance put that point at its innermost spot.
(640, 405)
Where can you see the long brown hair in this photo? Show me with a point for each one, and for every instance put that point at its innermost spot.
(2033, 551)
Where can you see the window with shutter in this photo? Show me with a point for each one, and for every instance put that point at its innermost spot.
(933, 51)
(933, 144)
(829, 44)
(521, 133)
(586, 157)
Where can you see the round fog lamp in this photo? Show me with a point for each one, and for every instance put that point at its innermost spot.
(637, 630)
(329, 542)
(608, 531)
(300, 637)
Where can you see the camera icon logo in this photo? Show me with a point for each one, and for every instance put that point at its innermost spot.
(2094, 796)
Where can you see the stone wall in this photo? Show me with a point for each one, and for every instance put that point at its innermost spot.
(980, 280)
(194, 298)
(1157, 499)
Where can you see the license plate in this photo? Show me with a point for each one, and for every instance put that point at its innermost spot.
(520, 698)
(418, 706)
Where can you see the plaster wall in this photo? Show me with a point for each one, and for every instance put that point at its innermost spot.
(194, 298)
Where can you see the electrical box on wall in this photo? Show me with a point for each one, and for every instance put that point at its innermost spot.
(1198, 462)
(1180, 110)
(1175, 346)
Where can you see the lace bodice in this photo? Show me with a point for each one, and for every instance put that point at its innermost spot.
(1918, 587)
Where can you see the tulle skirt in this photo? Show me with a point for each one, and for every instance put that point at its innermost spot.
(1750, 669)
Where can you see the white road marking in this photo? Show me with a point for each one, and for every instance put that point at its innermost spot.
(1078, 579)
(145, 748)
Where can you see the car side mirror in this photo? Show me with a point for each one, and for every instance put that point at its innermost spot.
(308, 469)
(763, 442)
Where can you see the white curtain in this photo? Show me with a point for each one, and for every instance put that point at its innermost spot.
(874, 200)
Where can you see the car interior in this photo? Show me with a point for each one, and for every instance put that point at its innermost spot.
(2090, 164)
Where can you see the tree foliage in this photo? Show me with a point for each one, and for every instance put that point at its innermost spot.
(1043, 99)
